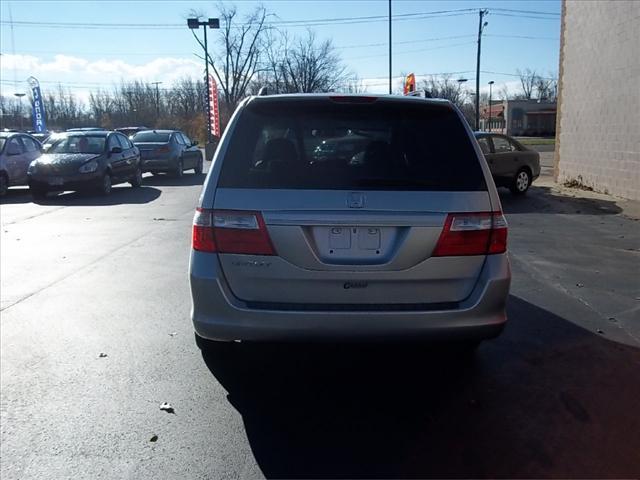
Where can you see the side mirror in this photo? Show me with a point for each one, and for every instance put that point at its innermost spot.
(116, 150)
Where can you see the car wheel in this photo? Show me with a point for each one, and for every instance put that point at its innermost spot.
(521, 182)
(136, 181)
(38, 193)
(105, 184)
(4, 184)
(198, 169)
(212, 347)
(179, 169)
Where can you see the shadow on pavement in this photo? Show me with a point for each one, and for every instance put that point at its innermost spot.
(119, 195)
(188, 179)
(545, 399)
(545, 200)
(16, 195)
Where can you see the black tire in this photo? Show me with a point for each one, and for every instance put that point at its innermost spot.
(105, 184)
(521, 182)
(38, 193)
(198, 168)
(136, 181)
(177, 172)
(213, 347)
(4, 184)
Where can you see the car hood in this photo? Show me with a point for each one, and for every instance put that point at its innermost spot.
(62, 163)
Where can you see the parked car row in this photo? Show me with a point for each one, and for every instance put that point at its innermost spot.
(93, 159)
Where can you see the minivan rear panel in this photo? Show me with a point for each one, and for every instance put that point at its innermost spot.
(353, 204)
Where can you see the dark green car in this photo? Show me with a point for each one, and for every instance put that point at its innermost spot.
(512, 164)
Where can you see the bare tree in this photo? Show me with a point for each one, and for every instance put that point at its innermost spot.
(242, 42)
(445, 87)
(528, 79)
(354, 84)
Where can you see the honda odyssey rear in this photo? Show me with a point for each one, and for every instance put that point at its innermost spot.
(348, 217)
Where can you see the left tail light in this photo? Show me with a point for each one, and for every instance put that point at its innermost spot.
(164, 149)
(231, 231)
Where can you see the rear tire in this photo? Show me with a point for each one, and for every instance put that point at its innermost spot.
(4, 184)
(521, 182)
(177, 173)
(105, 185)
(198, 168)
(136, 181)
(38, 193)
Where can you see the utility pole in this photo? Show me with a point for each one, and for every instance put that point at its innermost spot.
(481, 26)
(157, 99)
(20, 95)
(390, 63)
(194, 24)
(490, 88)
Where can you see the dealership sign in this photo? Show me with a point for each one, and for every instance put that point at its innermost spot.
(39, 125)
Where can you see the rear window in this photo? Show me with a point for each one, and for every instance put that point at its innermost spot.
(320, 145)
(151, 137)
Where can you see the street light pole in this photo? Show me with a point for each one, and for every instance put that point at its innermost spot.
(481, 26)
(490, 88)
(390, 62)
(157, 99)
(194, 24)
(20, 95)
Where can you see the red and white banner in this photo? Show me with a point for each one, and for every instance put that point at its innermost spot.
(213, 107)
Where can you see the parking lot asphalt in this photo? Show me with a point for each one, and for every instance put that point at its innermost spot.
(95, 336)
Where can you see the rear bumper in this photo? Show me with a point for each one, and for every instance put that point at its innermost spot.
(158, 164)
(218, 315)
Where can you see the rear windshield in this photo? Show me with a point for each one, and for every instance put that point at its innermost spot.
(151, 137)
(351, 146)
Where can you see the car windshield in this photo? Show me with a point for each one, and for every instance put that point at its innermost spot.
(151, 137)
(78, 144)
(2, 142)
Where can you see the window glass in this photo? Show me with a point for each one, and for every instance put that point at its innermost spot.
(151, 137)
(124, 142)
(501, 145)
(185, 139)
(179, 138)
(113, 142)
(484, 145)
(316, 145)
(14, 146)
(30, 145)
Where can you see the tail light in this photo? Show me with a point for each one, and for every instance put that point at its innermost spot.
(472, 234)
(231, 231)
(164, 149)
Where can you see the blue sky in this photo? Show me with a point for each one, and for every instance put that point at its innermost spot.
(82, 59)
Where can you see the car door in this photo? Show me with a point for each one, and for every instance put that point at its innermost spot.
(191, 152)
(32, 150)
(182, 149)
(129, 156)
(504, 158)
(116, 158)
(15, 154)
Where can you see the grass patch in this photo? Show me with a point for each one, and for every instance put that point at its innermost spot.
(537, 141)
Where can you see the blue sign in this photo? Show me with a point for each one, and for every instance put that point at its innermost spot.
(39, 125)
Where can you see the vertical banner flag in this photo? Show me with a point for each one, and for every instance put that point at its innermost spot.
(409, 84)
(39, 125)
(213, 107)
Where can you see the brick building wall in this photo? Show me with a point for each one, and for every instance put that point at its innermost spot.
(598, 131)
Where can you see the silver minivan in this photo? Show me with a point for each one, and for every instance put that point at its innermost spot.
(348, 217)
